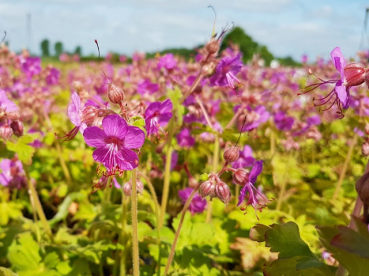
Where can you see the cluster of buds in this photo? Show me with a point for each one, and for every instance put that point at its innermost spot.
(215, 187)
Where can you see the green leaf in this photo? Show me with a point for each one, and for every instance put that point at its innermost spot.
(21, 147)
(355, 264)
(140, 123)
(286, 239)
(24, 253)
(51, 260)
(6, 272)
(63, 208)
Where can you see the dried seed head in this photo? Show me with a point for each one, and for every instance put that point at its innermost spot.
(207, 188)
(223, 192)
(115, 94)
(241, 177)
(6, 132)
(231, 154)
(17, 128)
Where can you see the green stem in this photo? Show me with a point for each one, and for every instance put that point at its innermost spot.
(168, 162)
(215, 168)
(345, 166)
(237, 193)
(123, 236)
(136, 258)
(183, 213)
(63, 164)
(157, 208)
(38, 205)
(272, 144)
(283, 186)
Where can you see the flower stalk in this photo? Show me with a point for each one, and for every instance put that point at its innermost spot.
(135, 253)
(215, 167)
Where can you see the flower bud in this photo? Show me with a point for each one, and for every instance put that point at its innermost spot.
(241, 177)
(231, 154)
(354, 74)
(115, 94)
(6, 132)
(14, 115)
(127, 187)
(367, 129)
(365, 149)
(78, 86)
(17, 128)
(213, 46)
(223, 192)
(88, 115)
(192, 182)
(207, 188)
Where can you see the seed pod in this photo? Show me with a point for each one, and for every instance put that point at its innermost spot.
(17, 128)
(223, 192)
(231, 154)
(241, 177)
(354, 74)
(207, 189)
(115, 94)
(6, 132)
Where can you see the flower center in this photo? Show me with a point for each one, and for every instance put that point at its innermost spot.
(113, 140)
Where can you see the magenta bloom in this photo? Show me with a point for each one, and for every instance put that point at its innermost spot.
(226, 71)
(185, 139)
(114, 142)
(167, 61)
(255, 197)
(350, 75)
(197, 204)
(31, 66)
(147, 86)
(283, 122)
(255, 117)
(245, 159)
(53, 76)
(6, 104)
(157, 115)
(12, 174)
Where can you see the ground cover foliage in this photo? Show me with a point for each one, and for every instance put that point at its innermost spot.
(98, 161)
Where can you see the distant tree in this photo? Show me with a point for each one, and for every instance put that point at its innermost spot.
(265, 54)
(45, 48)
(58, 47)
(78, 50)
(238, 36)
(288, 61)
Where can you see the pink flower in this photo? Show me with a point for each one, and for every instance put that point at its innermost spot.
(114, 143)
(226, 71)
(157, 115)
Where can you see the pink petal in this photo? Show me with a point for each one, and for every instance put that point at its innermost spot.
(128, 159)
(338, 59)
(94, 137)
(106, 155)
(255, 171)
(114, 125)
(152, 108)
(166, 106)
(135, 138)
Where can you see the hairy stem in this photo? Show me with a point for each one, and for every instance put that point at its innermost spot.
(168, 162)
(215, 168)
(63, 164)
(38, 205)
(283, 186)
(136, 259)
(123, 236)
(157, 208)
(345, 166)
(204, 111)
(183, 213)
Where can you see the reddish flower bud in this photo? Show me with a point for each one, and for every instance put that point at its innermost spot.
(365, 149)
(6, 132)
(367, 129)
(17, 128)
(367, 78)
(354, 74)
(88, 115)
(213, 46)
(223, 192)
(231, 154)
(14, 115)
(78, 86)
(207, 189)
(241, 177)
(127, 187)
(192, 182)
(115, 94)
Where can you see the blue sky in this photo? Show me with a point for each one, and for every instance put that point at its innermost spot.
(286, 27)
